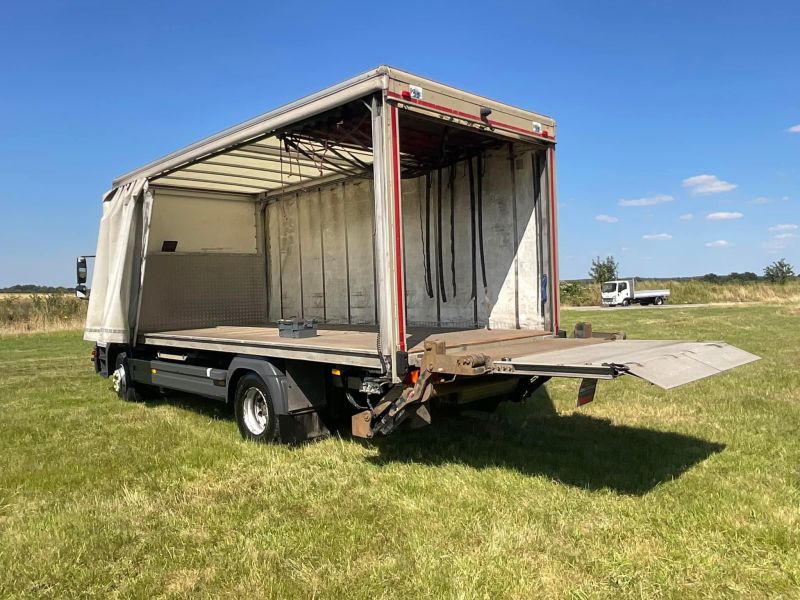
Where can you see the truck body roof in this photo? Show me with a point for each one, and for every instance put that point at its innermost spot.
(436, 99)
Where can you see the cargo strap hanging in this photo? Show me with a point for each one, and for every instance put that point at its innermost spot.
(451, 183)
(426, 237)
(439, 258)
(476, 211)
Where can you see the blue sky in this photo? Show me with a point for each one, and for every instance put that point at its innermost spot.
(664, 108)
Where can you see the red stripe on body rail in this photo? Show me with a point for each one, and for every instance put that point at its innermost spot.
(398, 247)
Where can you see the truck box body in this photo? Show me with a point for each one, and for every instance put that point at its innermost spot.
(413, 222)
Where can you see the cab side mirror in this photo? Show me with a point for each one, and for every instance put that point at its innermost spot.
(82, 270)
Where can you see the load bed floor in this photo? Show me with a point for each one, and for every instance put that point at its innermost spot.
(666, 363)
(342, 344)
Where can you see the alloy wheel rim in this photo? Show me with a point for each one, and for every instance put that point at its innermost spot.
(256, 415)
(118, 379)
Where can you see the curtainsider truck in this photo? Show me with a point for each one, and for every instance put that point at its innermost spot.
(368, 251)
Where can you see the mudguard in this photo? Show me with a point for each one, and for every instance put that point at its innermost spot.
(273, 377)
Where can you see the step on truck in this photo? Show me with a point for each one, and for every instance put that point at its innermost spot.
(385, 244)
(623, 292)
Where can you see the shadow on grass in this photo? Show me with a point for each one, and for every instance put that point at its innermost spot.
(207, 407)
(531, 438)
(577, 450)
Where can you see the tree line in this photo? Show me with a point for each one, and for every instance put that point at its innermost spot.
(30, 288)
(780, 271)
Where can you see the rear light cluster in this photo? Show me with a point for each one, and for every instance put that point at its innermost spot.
(412, 376)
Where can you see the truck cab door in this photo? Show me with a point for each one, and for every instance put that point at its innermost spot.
(623, 292)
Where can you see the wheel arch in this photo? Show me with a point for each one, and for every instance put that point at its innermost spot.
(273, 377)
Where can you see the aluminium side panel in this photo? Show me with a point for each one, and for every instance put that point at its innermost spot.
(497, 301)
(360, 230)
(310, 241)
(334, 218)
(528, 299)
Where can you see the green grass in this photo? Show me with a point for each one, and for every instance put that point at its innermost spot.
(643, 493)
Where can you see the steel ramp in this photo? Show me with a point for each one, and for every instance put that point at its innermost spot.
(665, 363)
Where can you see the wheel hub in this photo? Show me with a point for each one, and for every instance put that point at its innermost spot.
(256, 414)
(118, 379)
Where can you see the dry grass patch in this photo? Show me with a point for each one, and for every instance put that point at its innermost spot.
(25, 313)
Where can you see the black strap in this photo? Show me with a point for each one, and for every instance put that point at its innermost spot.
(439, 258)
(471, 175)
(427, 245)
(480, 219)
(452, 184)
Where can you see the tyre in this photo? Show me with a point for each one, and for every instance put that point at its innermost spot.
(123, 383)
(658, 301)
(626, 302)
(255, 410)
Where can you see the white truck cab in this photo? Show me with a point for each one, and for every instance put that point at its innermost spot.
(623, 292)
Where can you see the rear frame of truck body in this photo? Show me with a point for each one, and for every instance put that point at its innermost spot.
(388, 91)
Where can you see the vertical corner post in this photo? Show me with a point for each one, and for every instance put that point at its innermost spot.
(554, 286)
(388, 232)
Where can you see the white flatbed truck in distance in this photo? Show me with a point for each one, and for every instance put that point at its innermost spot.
(383, 244)
(623, 292)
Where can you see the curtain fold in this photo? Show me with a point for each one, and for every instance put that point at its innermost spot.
(113, 298)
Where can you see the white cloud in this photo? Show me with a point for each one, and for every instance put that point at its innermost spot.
(724, 216)
(657, 236)
(707, 184)
(775, 246)
(687, 217)
(624, 248)
(647, 200)
(606, 219)
(761, 200)
(718, 244)
(783, 227)
(794, 129)
(785, 236)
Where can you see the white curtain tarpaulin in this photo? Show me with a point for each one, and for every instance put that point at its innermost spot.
(114, 297)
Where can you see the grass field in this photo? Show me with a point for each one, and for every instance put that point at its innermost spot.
(644, 493)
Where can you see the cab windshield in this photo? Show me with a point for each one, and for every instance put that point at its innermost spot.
(609, 288)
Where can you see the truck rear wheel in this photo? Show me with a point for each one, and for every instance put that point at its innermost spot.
(123, 382)
(255, 411)
(658, 301)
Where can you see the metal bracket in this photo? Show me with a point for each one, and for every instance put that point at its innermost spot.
(389, 414)
(436, 360)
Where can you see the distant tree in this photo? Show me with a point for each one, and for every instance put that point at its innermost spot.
(711, 278)
(742, 277)
(779, 271)
(603, 269)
